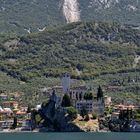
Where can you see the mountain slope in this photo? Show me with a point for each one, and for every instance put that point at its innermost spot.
(125, 11)
(90, 48)
(99, 53)
(24, 16)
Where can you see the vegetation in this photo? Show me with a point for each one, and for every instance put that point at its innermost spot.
(72, 112)
(87, 118)
(83, 112)
(29, 109)
(97, 52)
(126, 115)
(66, 102)
(88, 96)
(99, 93)
(52, 53)
(137, 115)
(94, 116)
(108, 111)
(14, 125)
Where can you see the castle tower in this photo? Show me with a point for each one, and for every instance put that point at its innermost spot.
(66, 83)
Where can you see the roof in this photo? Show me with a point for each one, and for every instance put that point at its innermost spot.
(3, 95)
(57, 87)
(11, 102)
(15, 109)
(82, 87)
(21, 113)
(115, 113)
(124, 107)
(7, 109)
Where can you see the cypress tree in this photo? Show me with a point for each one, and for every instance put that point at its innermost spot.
(66, 102)
(99, 93)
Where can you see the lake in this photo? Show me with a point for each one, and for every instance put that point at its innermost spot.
(69, 136)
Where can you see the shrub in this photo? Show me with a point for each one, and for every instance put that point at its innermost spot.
(72, 112)
(86, 118)
(83, 112)
(94, 116)
(88, 96)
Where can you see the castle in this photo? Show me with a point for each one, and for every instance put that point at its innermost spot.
(94, 104)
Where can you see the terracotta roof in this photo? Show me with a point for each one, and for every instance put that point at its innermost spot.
(21, 113)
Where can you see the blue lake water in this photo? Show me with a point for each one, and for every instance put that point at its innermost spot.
(70, 136)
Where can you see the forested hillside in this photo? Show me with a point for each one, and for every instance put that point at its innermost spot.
(83, 49)
(102, 52)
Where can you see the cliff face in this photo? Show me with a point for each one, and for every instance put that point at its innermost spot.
(55, 119)
(71, 10)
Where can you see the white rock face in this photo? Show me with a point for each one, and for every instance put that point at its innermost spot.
(103, 3)
(41, 30)
(71, 10)
(131, 8)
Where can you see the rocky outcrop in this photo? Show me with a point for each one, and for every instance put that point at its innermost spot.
(71, 11)
(56, 119)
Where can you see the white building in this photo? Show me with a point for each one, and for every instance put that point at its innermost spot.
(88, 105)
(92, 106)
(3, 97)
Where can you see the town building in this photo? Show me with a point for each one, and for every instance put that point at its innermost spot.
(5, 113)
(3, 97)
(6, 124)
(10, 104)
(92, 106)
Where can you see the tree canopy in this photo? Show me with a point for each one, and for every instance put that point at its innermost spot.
(66, 101)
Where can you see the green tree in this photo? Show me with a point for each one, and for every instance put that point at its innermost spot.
(72, 112)
(29, 109)
(14, 125)
(88, 96)
(38, 119)
(99, 93)
(83, 112)
(66, 102)
(80, 67)
(87, 118)
(94, 116)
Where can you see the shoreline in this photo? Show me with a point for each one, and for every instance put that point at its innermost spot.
(37, 131)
